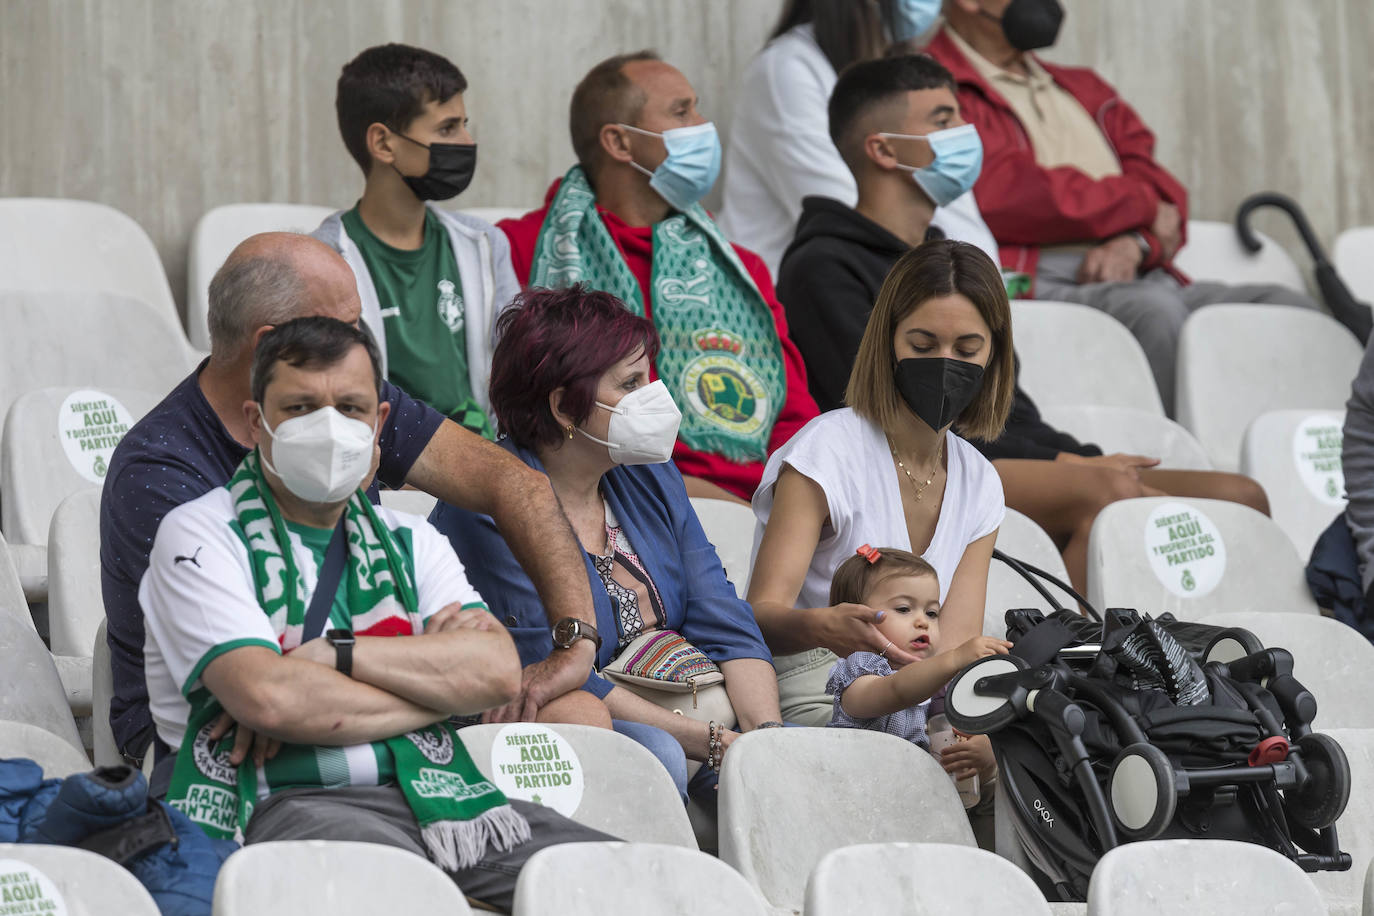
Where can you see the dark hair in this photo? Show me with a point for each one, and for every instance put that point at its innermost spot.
(559, 338)
(846, 30)
(857, 577)
(604, 96)
(867, 86)
(390, 84)
(930, 270)
(315, 342)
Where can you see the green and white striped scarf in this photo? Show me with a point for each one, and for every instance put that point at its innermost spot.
(720, 358)
(459, 812)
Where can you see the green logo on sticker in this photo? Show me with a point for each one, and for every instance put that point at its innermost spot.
(1189, 583)
(99, 466)
(536, 799)
(1331, 490)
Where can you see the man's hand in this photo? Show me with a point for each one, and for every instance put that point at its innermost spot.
(851, 628)
(262, 747)
(1168, 229)
(1116, 260)
(454, 617)
(563, 670)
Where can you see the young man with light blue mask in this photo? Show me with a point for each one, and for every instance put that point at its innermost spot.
(896, 124)
(627, 219)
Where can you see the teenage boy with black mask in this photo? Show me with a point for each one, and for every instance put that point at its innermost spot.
(431, 280)
(896, 124)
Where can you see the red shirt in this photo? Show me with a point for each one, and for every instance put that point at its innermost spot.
(636, 246)
(1026, 205)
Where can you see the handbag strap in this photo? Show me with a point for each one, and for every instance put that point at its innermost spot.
(317, 615)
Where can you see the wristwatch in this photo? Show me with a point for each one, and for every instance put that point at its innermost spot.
(569, 630)
(343, 642)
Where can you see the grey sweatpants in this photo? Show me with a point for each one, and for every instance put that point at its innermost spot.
(379, 814)
(1153, 307)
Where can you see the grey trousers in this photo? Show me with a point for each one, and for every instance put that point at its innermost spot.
(379, 814)
(1153, 307)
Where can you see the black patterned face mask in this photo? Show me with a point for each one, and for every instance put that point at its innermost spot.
(937, 389)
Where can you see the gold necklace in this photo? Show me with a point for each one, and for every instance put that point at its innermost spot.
(930, 475)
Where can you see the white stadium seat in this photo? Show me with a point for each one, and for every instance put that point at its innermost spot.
(1021, 539)
(57, 441)
(1187, 877)
(103, 748)
(593, 879)
(45, 238)
(57, 757)
(1214, 253)
(338, 878)
(494, 215)
(729, 527)
(90, 340)
(1332, 660)
(75, 606)
(616, 785)
(80, 883)
(1073, 354)
(1131, 431)
(219, 232)
(1296, 457)
(1237, 361)
(1194, 557)
(416, 502)
(1353, 258)
(920, 878)
(1343, 890)
(789, 796)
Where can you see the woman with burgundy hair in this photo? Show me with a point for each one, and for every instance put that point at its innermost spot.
(572, 393)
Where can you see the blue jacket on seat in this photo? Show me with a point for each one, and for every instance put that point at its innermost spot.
(651, 504)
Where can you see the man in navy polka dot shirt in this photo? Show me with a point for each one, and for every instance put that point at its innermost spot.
(191, 443)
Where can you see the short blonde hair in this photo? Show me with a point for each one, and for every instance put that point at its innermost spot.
(934, 269)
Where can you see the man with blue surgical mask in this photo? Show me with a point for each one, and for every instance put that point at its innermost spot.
(627, 219)
(896, 124)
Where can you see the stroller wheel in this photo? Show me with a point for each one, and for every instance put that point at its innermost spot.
(1231, 644)
(1321, 801)
(975, 713)
(1141, 791)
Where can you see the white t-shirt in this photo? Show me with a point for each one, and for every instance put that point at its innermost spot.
(780, 151)
(199, 600)
(849, 458)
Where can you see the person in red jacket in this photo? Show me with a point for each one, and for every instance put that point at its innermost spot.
(627, 219)
(1070, 186)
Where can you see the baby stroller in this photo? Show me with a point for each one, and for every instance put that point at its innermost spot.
(1135, 728)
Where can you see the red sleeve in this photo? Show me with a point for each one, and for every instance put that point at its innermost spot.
(523, 233)
(1135, 146)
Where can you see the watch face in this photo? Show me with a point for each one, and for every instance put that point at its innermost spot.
(564, 632)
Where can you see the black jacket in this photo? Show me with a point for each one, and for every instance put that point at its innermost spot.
(828, 281)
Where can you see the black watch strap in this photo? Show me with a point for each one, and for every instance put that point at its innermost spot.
(342, 641)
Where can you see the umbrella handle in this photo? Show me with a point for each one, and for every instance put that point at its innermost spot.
(1252, 242)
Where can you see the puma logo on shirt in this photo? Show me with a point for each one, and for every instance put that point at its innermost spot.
(176, 561)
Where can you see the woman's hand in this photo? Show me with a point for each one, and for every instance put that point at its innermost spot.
(850, 628)
(970, 755)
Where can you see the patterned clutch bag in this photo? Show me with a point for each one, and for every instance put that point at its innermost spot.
(664, 660)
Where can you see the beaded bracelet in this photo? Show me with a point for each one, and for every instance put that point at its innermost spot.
(771, 724)
(714, 750)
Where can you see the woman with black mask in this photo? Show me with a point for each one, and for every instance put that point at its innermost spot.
(935, 365)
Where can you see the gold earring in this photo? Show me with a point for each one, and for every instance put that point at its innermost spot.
(570, 431)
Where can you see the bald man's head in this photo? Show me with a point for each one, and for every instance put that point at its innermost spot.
(271, 278)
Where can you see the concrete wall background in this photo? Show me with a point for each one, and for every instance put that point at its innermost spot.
(165, 109)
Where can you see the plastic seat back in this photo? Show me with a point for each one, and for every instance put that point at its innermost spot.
(1236, 362)
(920, 878)
(90, 340)
(1214, 253)
(1353, 257)
(335, 877)
(46, 238)
(1332, 660)
(591, 879)
(1073, 354)
(1021, 539)
(730, 529)
(416, 502)
(1194, 557)
(789, 796)
(219, 232)
(1296, 457)
(1184, 877)
(592, 775)
(57, 757)
(75, 605)
(1132, 432)
(494, 215)
(57, 441)
(64, 879)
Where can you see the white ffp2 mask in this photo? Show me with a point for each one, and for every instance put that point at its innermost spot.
(643, 427)
(321, 457)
